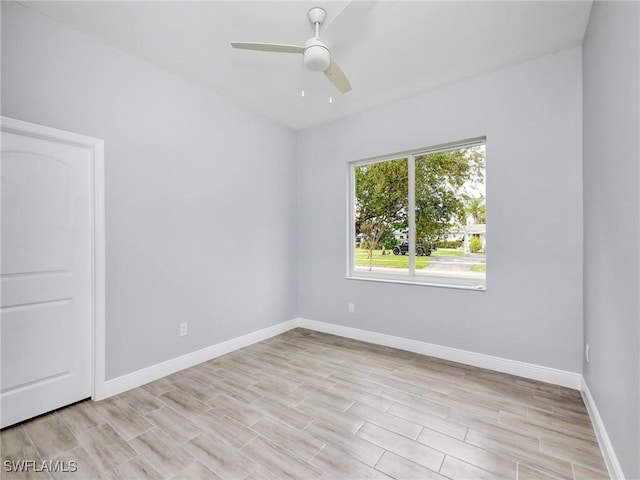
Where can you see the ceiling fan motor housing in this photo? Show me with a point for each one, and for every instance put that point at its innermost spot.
(316, 55)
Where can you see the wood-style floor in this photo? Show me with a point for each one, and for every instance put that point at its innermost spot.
(308, 405)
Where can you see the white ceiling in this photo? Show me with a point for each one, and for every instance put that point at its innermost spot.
(400, 48)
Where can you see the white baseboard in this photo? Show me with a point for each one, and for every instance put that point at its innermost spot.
(610, 458)
(154, 372)
(514, 367)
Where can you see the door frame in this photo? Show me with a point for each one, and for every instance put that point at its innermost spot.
(98, 260)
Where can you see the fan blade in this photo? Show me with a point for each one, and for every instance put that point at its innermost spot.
(347, 23)
(337, 77)
(268, 47)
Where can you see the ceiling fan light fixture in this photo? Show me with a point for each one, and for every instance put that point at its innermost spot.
(317, 57)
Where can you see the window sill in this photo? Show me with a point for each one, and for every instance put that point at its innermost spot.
(422, 282)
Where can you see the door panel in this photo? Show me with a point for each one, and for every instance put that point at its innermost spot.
(53, 323)
(36, 214)
(46, 274)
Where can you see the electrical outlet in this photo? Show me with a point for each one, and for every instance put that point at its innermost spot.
(183, 329)
(586, 351)
(352, 307)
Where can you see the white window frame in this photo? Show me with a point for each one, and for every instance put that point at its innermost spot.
(411, 278)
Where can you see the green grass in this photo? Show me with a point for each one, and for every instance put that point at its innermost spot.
(449, 252)
(402, 261)
(389, 260)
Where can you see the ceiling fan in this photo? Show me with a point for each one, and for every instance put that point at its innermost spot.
(316, 53)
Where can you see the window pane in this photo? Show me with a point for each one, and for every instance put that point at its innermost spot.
(450, 214)
(381, 206)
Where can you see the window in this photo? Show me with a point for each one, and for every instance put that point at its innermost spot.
(420, 217)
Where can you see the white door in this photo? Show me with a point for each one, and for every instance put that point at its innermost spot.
(47, 256)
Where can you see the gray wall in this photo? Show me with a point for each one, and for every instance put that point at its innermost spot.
(200, 194)
(611, 82)
(532, 309)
